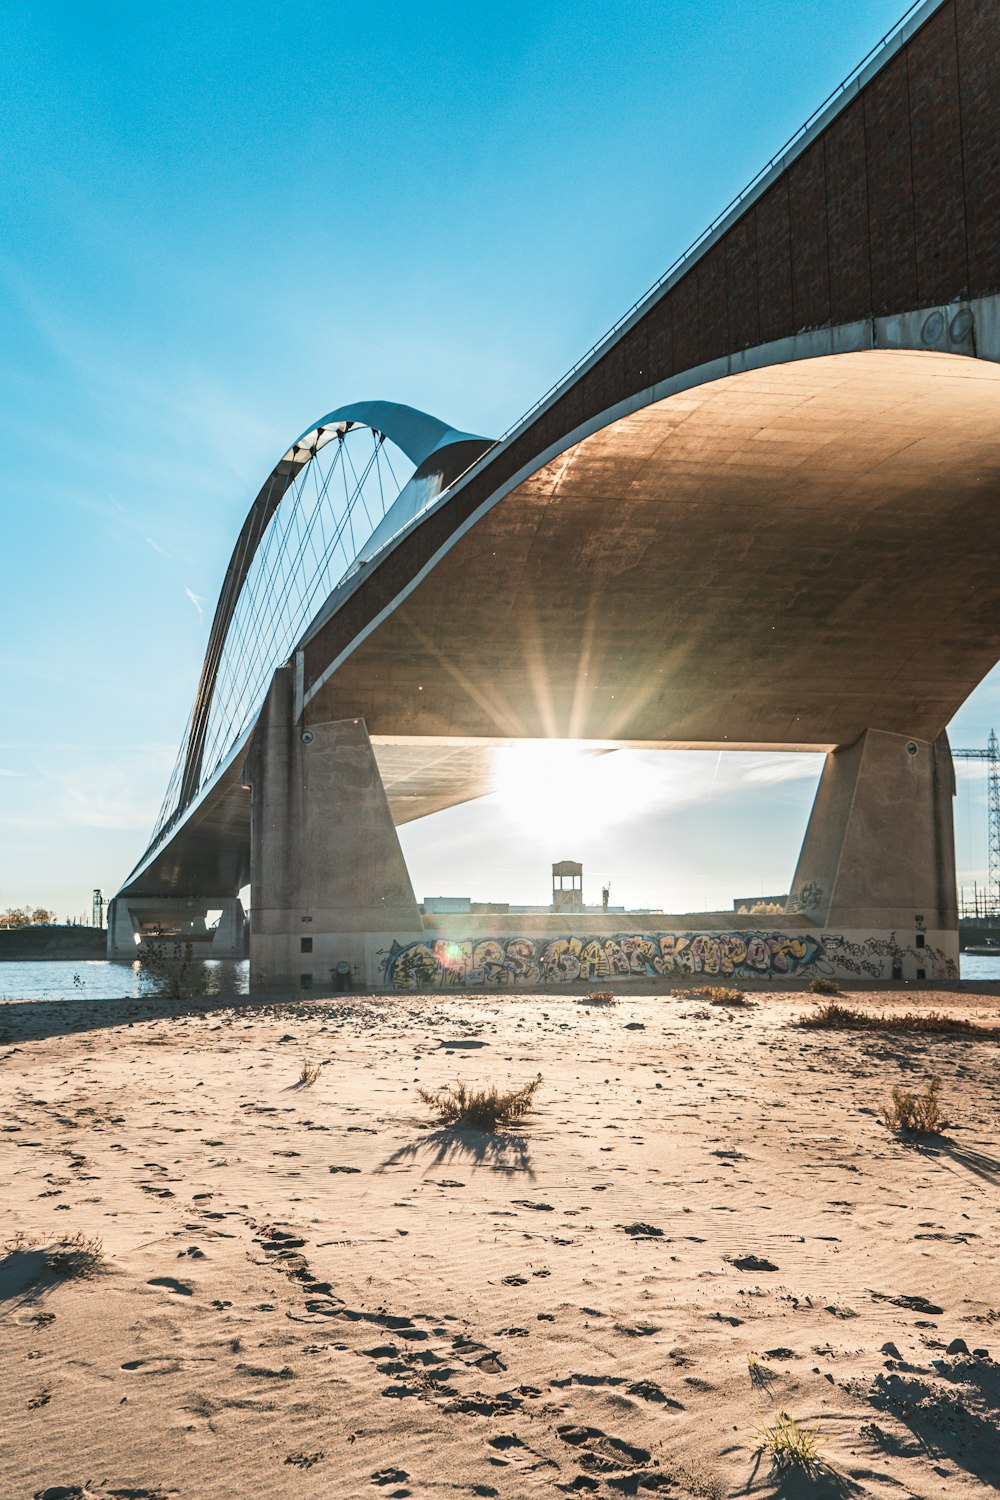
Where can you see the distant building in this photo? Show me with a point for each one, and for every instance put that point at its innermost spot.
(446, 903)
(437, 905)
(745, 904)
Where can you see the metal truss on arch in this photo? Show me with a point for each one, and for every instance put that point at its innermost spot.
(339, 495)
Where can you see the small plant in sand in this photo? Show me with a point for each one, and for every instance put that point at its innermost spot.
(600, 997)
(759, 1370)
(71, 1257)
(789, 1445)
(77, 1257)
(720, 995)
(821, 986)
(480, 1109)
(308, 1074)
(836, 1017)
(915, 1114)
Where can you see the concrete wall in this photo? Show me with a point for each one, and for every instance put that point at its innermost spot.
(456, 960)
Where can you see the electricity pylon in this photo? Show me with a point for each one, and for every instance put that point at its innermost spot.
(991, 755)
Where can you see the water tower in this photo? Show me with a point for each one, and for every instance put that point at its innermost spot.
(567, 886)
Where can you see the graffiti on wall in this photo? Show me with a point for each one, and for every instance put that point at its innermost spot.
(883, 958)
(443, 964)
(807, 899)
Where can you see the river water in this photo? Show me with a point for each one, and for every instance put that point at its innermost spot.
(98, 979)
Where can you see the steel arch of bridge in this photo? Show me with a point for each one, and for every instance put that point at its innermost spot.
(242, 667)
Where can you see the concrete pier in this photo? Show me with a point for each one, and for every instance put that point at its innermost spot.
(327, 868)
(879, 851)
(215, 926)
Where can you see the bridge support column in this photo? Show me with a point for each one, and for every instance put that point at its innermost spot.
(326, 867)
(215, 926)
(878, 857)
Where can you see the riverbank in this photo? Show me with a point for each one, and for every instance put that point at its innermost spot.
(105, 979)
(38, 944)
(309, 1288)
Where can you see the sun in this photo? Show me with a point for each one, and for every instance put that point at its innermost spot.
(545, 782)
(562, 787)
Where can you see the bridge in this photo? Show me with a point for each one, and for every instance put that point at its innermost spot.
(762, 512)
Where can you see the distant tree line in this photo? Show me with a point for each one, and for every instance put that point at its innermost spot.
(26, 916)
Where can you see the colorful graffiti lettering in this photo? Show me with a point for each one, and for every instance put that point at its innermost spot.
(520, 961)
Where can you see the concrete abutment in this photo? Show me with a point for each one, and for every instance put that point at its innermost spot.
(326, 865)
(879, 849)
(215, 926)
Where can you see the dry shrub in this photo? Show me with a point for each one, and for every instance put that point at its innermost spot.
(916, 1114)
(720, 995)
(76, 1257)
(71, 1257)
(309, 1073)
(600, 997)
(790, 1445)
(844, 1018)
(480, 1109)
(172, 968)
(821, 986)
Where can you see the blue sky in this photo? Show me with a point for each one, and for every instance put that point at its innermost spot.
(219, 222)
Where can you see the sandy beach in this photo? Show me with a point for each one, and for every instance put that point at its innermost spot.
(312, 1290)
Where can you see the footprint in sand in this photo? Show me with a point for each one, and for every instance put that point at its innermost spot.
(911, 1303)
(505, 1441)
(172, 1285)
(156, 1365)
(114, 1492)
(304, 1460)
(602, 1454)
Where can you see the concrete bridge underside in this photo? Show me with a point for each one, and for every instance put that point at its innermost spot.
(799, 556)
(789, 557)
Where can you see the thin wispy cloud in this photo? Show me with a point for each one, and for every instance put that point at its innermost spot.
(119, 795)
(197, 600)
(797, 767)
(157, 548)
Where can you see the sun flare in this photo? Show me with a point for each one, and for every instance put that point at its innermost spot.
(561, 785)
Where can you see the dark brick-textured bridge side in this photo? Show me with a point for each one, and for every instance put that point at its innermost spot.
(892, 207)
